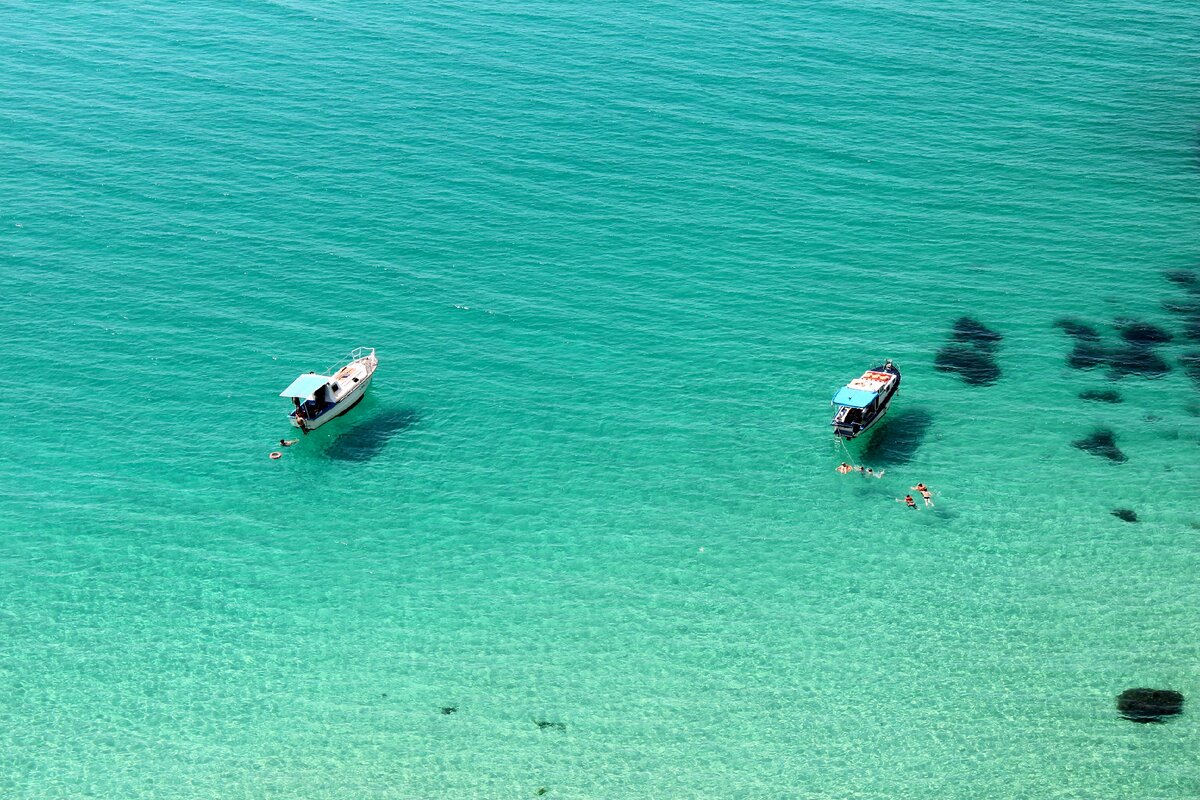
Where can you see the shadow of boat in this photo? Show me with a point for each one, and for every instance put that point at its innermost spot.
(367, 439)
(898, 437)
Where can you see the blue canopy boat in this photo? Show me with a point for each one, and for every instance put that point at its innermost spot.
(320, 398)
(863, 401)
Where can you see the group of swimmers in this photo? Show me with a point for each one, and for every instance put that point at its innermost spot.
(923, 490)
(845, 468)
(908, 500)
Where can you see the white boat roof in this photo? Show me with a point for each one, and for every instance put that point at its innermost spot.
(871, 381)
(305, 386)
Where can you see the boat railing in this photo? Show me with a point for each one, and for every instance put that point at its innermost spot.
(355, 354)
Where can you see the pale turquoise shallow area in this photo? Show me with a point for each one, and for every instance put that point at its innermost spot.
(615, 259)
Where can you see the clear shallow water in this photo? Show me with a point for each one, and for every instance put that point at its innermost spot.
(615, 261)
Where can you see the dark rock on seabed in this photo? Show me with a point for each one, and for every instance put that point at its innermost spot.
(1136, 357)
(1102, 442)
(975, 367)
(1127, 514)
(1077, 330)
(975, 332)
(1183, 277)
(1191, 366)
(1149, 705)
(1186, 306)
(970, 353)
(1143, 333)
(1191, 329)
(1087, 354)
(1101, 395)
(1136, 360)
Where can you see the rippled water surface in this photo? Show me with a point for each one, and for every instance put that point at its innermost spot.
(615, 259)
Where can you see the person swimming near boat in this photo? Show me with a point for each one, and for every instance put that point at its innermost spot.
(925, 493)
(844, 468)
(287, 442)
(870, 473)
(908, 501)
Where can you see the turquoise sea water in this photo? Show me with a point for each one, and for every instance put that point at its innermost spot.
(615, 259)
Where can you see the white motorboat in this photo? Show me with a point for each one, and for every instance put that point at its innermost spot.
(320, 398)
(863, 401)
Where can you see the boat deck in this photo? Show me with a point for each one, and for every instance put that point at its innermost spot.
(348, 377)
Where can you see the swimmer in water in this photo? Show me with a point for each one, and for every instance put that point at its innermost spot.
(908, 501)
(925, 493)
(872, 474)
(844, 468)
(287, 442)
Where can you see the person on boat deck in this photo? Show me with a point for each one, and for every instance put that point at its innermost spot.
(287, 442)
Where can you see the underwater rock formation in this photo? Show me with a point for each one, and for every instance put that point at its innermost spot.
(449, 709)
(1191, 329)
(1135, 360)
(1183, 277)
(1102, 442)
(1191, 365)
(1149, 705)
(1143, 333)
(970, 353)
(1087, 354)
(1101, 395)
(975, 367)
(975, 332)
(1127, 514)
(1088, 351)
(1136, 357)
(1077, 330)
(1185, 306)
(555, 726)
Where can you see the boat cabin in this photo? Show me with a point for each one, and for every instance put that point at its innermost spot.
(312, 394)
(855, 405)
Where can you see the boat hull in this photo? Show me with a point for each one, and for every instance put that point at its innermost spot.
(336, 410)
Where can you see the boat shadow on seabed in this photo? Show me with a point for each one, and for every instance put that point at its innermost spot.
(898, 437)
(368, 438)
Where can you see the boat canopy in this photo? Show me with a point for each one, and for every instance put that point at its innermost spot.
(854, 398)
(305, 386)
